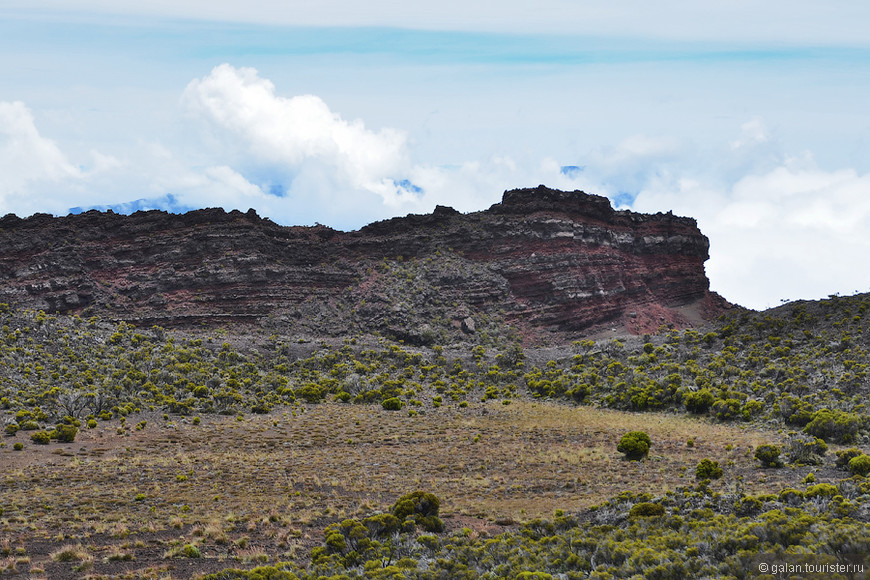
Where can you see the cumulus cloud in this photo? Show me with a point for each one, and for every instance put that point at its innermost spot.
(27, 158)
(793, 232)
(298, 133)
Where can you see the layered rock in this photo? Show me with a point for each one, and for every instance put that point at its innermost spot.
(542, 260)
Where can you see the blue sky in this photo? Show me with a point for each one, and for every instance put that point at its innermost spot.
(751, 117)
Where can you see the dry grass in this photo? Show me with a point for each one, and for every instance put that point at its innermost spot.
(279, 484)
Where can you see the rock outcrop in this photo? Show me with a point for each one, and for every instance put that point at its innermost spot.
(543, 261)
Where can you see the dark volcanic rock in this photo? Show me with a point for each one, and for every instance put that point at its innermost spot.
(541, 259)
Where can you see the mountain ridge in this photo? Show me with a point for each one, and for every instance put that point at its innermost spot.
(549, 263)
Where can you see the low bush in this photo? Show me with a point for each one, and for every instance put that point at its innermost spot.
(66, 433)
(708, 469)
(634, 445)
(768, 455)
(699, 402)
(278, 572)
(805, 449)
(392, 404)
(821, 490)
(846, 455)
(646, 510)
(860, 465)
(41, 437)
(416, 503)
(833, 425)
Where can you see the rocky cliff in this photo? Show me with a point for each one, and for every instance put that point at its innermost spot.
(549, 263)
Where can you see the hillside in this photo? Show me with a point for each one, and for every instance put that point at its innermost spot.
(544, 390)
(552, 264)
(194, 452)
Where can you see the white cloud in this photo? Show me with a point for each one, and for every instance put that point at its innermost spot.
(752, 133)
(279, 133)
(27, 158)
(793, 232)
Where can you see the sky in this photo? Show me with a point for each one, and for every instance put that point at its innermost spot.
(750, 116)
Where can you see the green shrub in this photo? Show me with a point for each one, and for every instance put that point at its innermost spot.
(635, 445)
(66, 433)
(768, 455)
(41, 437)
(416, 503)
(699, 402)
(310, 393)
(11, 429)
(747, 506)
(260, 573)
(860, 465)
(18, 446)
(29, 426)
(190, 551)
(92, 423)
(791, 496)
(708, 469)
(383, 525)
(726, 409)
(392, 404)
(846, 455)
(805, 449)
(821, 490)
(646, 510)
(833, 425)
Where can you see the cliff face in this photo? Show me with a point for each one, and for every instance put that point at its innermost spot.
(545, 261)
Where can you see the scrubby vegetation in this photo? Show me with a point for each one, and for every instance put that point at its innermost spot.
(335, 437)
(804, 366)
(688, 533)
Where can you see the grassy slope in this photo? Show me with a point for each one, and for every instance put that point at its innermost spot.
(280, 478)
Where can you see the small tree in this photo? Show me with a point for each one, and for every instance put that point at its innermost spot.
(635, 445)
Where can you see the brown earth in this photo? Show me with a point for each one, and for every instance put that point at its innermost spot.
(263, 488)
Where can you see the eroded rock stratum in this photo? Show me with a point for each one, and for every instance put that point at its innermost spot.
(549, 263)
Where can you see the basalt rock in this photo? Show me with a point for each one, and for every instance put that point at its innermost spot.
(548, 263)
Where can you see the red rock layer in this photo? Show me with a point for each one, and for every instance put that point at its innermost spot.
(543, 259)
